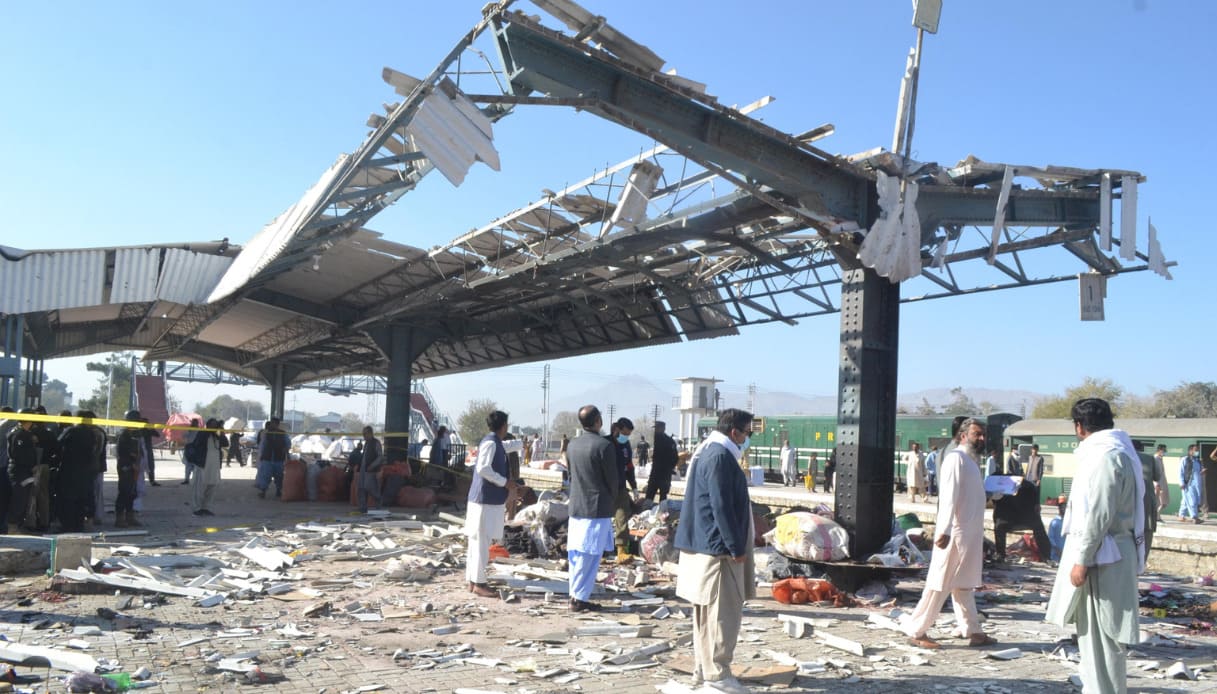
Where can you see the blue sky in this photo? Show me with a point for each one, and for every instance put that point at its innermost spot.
(139, 122)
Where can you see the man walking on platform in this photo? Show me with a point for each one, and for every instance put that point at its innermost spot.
(955, 565)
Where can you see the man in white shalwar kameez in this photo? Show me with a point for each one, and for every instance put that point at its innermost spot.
(790, 465)
(955, 565)
(1096, 583)
(487, 501)
(914, 470)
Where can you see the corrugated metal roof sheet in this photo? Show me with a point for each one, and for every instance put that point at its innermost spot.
(266, 246)
(135, 272)
(188, 277)
(49, 280)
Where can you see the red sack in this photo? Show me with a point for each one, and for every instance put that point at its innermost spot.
(331, 484)
(295, 481)
(416, 497)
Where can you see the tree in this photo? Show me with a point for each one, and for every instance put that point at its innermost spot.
(112, 393)
(1188, 399)
(472, 423)
(351, 423)
(925, 409)
(1090, 387)
(55, 396)
(960, 403)
(225, 406)
(564, 423)
(987, 408)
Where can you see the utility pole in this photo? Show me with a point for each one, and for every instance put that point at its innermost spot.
(612, 411)
(752, 398)
(545, 407)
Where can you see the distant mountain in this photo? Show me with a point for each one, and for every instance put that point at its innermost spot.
(629, 396)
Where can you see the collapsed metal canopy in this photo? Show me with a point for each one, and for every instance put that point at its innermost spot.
(756, 227)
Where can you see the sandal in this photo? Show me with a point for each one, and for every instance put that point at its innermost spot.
(982, 639)
(924, 642)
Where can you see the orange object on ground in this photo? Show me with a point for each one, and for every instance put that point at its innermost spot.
(498, 551)
(797, 591)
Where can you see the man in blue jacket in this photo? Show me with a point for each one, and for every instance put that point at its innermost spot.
(714, 537)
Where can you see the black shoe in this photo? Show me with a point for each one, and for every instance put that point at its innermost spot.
(577, 605)
(200, 513)
(155, 484)
(185, 481)
(261, 493)
(205, 512)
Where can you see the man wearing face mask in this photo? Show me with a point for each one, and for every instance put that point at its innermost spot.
(959, 530)
(627, 487)
(714, 536)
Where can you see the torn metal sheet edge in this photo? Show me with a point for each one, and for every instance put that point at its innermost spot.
(134, 583)
(19, 653)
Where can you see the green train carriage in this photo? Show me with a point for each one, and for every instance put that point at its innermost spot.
(1057, 441)
(808, 433)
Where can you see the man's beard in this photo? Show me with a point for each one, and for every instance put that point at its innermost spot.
(971, 449)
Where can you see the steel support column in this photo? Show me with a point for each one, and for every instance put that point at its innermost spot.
(10, 360)
(278, 391)
(400, 349)
(866, 410)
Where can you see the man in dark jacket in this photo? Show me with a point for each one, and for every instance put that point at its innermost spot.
(593, 488)
(273, 448)
(663, 464)
(714, 537)
(1020, 511)
(77, 471)
(46, 468)
(22, 459)
(627, 487)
